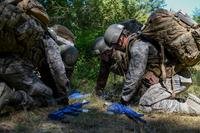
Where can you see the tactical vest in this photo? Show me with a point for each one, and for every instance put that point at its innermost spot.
(121, 57)
(177, 33)
(120, 62)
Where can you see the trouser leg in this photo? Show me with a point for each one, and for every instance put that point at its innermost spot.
(19, 74)
(14, 98)
(157, 99)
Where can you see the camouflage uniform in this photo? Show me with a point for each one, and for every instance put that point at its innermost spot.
(68, 51)
(156, 95)
(20, 82)
(109, 64)
(115, 60)
(140, 54)
(69, 55)
(153, 73)
(158, 98)
(26, 45)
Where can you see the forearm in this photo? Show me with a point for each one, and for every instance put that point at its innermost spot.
(103, 75)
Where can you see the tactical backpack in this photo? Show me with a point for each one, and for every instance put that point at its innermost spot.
(22, 24)
(34, 8)
(176, 33)
(30, 7)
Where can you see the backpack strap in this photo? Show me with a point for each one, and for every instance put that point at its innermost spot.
(163, 69)
(172, 85)
(164, 74)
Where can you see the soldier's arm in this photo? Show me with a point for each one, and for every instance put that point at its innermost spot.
(137, 65)
(103, 74)
(56, 64)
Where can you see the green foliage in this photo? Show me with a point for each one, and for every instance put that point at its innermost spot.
(87, 67)
(85, 39)
(88, 19)
(84, 14)
(197, 15)
(85, 73)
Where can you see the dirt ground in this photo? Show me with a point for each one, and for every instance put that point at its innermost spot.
(95, 121)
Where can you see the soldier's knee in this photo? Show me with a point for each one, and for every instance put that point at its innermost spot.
(70, 55)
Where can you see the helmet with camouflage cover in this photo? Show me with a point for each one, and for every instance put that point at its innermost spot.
(99, 46)
(113, 33)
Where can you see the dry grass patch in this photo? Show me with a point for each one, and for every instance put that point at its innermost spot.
(96, 121)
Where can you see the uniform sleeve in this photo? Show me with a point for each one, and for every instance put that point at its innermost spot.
(103, 74)
(55, 63)
(137, 65)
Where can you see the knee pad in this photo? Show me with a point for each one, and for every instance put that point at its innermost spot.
(69, 55)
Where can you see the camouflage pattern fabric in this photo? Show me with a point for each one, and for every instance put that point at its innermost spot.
(18, 74)
(65, 40)
(34, 8)
(63, 72)
(31, 41)
(196, 35)
(140, 55)
(24, 31)
(64, 32)
(56, 65)
(115, 61)
(109, 64)
(158, 97)
(177, 37)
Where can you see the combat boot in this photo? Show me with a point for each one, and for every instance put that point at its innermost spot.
(21, 99)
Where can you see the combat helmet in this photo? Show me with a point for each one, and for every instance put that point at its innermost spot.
(99, 46)
(113, 33)
(69, 54)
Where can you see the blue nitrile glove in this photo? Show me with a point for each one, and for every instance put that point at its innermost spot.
(73, 109)
(77, 95)
(118, 108)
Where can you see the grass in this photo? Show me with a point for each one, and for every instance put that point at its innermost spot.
(96, 120)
